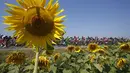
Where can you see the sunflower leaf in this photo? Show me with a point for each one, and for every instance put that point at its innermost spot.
(49, 47)
(98, 66)
(67, 71)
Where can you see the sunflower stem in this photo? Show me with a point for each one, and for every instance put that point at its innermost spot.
(36, 62)
(38, 11)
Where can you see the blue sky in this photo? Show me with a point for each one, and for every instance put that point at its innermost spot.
(90, 17)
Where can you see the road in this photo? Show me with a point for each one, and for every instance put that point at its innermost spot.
(20, 48)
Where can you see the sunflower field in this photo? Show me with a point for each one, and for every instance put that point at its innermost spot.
(39, 24)
(73, 59)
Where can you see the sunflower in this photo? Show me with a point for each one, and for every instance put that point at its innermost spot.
(70, 48)
(121, 62)
(15, 58)
(77, 49)
(43, 62)
(92, 47)
(125, 47)
(35, 22)
(56, 57)
(101, 51)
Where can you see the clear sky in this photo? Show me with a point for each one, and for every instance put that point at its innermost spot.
(90, 17)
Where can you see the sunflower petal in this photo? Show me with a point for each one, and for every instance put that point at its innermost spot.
(59, 25)
(59, 18)
(22, 3)
(59, 29)
(62, 10)
(11, 21)
(48, 7)
(54, 9)
(12, 17)
(29, 2)
(43, 2)
(12, 5)
(56, 36)
(15, 12)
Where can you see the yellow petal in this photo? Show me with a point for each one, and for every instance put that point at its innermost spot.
(12, 5)
(43, 2)
(22, 3)
(48, 7)
(12, 17)
(38, 2)
(62, 10)
(59, 18)
(53, 43)
(20, 38)
(56, 36)
(11, 21)
(17, 32)
(58, 33)
(59, 29)
(29, 2)
(59, 25)
(54, 8)
(15, 12)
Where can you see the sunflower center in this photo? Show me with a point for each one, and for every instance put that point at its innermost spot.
(93, 47)
(40, 24)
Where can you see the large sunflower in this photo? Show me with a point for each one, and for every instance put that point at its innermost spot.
(35, 22)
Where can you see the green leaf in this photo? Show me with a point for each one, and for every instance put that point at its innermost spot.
(88, 66)
(11, 67)
(14, 70)
(83, 71)
(80, 61)
(67, 71)
(98, 66)
(113, 70)
(73, 64)
(49, 47)
(59, 62)
(30, 67)
(67, 55)
(53, 68)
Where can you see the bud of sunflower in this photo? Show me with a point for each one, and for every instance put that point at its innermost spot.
(56, 57)
(120, 63)
(125, 47)
(101, 51)
(70, 48)
(105, 47)
(82, 50)
(43, 62)
(77, 49)
(92, 58)
(15, 58)
(92, 47)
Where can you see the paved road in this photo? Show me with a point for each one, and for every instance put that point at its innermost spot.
(20, 48)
